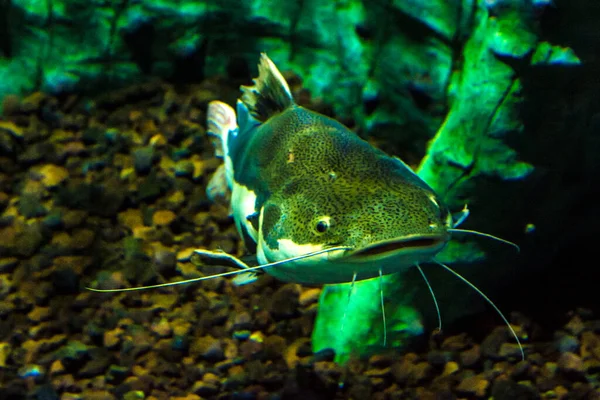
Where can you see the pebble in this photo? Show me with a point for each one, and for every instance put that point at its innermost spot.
(182, 255)
(475, 385)
(10, 127)
(208, 348)
(284, 302)
(575, 326)
(52, 175)
(73, 218)
(567, 343)
(143, 159)
(56, 368)
(6, 285)
(39, 314)
(506, 389)
(571, 363)
(163, 217)
(450, 368)
(5, 350)
(8, 264)
(162, 328)
(309, 296)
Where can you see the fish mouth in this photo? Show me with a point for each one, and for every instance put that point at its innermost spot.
(414, 244)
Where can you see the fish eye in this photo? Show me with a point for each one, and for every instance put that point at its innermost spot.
(322, 226)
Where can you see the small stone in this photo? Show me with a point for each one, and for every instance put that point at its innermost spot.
(74, 218)
(162, 328)
(6, 285)
(284, 302)
(131, 218)
(99, 363)
(163, 301)
(39, 314)
(309, 296)
(163, 217)
(56, 368)
(53, 175)
(575, 326)
(208, 347)
(134, 395)
(506, 389)
(475, 385)
(184, 168)
(30, 206)
(590, 346)
(143, 158)
(158, 140)
(205, 389)
(31, 371)
(470, 357)
(455, 343)
(450, 368)
(182, 255)
(8, 264)
(5, 350)
(509, 350)
(96, 394)
(4, 200)
(571, 363)
(11, 128)
(421, 373)
(274, 347)
(176, 199)
(188, 397)
(127, 174)
(567, 343)
(112, 338)
(82, 239)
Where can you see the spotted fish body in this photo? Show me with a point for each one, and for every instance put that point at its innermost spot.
(302, 182)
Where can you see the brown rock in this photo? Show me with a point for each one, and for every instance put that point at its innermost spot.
(455, 343)
(73, 218)
(571, 363)
(56, 368)
(8, 264)
(309, 296)
(475, 385)
(575, 326)
(39, 314)
(11, 128)
(185, 254)
(207, 347)
(163, 217)
(6, 284)
(82, 239)
(5, 350)
(471, 356)
(52, 175)
(112, 338)
(590, 346)
(162, 328)
(450, 368)
(274, 347)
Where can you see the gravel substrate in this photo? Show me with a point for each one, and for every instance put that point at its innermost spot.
(111, 193)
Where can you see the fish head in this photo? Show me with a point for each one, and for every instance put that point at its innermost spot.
(383, 227)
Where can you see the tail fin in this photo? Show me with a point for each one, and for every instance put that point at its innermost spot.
(270, 93)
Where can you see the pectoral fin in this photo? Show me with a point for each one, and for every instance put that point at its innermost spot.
(203, 257)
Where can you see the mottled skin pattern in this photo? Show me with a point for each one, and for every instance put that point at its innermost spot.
(306, 168)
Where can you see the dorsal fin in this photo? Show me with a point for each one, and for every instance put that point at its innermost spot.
(270, 93)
